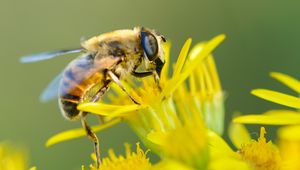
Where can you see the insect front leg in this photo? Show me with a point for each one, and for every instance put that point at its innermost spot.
(156, 79)
(148, 73)
(141, 74)
(94, 138)
(118, 82)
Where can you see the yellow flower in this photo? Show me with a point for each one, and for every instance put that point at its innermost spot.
(174, 112)
(151, 97)
(132, 161)
(276, 117)
(289, 137)
(222, 157)
(186, 144)
(169, 120)
(12, 158)
(252, 154)
(261, 154)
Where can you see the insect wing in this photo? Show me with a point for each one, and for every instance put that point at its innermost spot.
(47, 55)
(51, 91)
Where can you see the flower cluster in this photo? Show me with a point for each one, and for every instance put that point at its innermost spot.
(173, 119)
(182, 120)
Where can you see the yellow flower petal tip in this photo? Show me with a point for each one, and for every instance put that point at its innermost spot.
(219, 38)
(65, 136)
(287, 80)
(268, 157)
(182, 57)
(222, 36)
(277, 97)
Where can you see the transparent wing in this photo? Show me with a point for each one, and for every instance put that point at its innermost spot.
(47, 55)
(51, 91)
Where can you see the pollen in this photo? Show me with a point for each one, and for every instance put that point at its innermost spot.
(262, 155)
(131, 161)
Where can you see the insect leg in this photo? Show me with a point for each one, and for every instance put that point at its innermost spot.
(100, 92)
(156, 79)
(141, 74)
(94, 138)
(98, 95)
(118, 82)
(145, 74)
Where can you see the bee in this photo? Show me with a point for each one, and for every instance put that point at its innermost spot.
(107, 58)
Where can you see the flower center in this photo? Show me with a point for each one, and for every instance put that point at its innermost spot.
(132, 161)
(261, 154)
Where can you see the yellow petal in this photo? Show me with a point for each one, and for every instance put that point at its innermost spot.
(238, 134)
(196, 50)
(125, 111)
(277, 97)
(98, 107)
(108, 109)
(274, 117)
(218, 147)
(165, 69)
(214, 73)
(192, 65)
(182, 57)
(287, 80)
(156, 137)
(76, 133)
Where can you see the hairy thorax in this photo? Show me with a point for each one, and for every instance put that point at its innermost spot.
(127, 66)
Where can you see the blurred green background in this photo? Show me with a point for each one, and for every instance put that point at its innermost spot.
(262, 36)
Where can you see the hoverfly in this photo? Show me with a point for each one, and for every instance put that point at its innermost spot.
(106, 59)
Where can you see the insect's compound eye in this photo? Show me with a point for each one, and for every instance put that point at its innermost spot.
(149, 44)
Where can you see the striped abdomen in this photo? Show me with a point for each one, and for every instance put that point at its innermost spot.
(81, 80)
